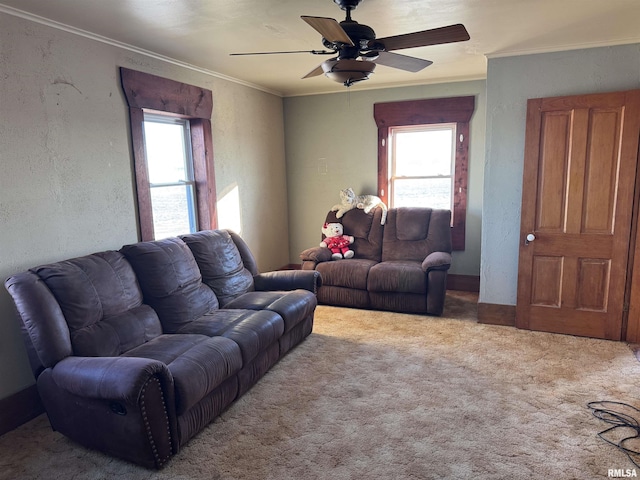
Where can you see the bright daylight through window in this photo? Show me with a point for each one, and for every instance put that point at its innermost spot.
(172, 154)
(422, 166)
(171, 180)
(423, 156)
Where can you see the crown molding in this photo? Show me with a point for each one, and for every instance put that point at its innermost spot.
(125, 46)
(564, 48)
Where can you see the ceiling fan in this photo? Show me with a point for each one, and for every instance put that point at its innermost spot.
(358, 50)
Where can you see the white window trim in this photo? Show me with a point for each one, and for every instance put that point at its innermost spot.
(393, 157)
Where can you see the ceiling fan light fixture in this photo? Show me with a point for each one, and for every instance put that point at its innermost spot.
(358, 49)
(347, 71)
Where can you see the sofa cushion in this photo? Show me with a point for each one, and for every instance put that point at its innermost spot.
(117, 334)
(399, 302)
(220, 263)
(197, 363)
(397, 276)
(412, 224)
(171, 281)
(252, 331)
(101, 302)
(412, 233)
(43, 327)
(351, 273)
(341, 296)
(293, 306)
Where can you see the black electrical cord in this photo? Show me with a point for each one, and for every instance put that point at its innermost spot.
(605, 411)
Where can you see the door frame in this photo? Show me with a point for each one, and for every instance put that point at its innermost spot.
(630, 310)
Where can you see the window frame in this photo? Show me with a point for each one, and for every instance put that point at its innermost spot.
(458, 110)
(146, 93)
(187, 150)
(393, 144)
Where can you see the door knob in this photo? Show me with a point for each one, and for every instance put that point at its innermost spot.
(530, 238)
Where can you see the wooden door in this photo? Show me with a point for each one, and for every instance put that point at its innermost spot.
(577, 206)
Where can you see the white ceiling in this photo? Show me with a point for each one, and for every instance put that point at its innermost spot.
(202, 33)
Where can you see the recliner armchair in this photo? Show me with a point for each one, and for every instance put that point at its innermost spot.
(399, 266)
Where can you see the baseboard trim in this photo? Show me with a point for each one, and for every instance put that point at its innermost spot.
(464, 283)
(19, 408)
(495, 314)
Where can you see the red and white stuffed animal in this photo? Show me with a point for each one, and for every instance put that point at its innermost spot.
(336, 241)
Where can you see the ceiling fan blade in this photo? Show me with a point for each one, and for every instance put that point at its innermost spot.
(435, 36)
(403, 62)
(315, 72)
(315, 52)
(329, 28)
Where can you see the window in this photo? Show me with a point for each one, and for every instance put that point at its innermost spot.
(422, 166)
(424, 175)
(172, 152)
(167, 143)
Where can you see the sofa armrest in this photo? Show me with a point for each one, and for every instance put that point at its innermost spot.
(437, 261)
(288, 280)
(110, 378)
(316, 254)
(123, 406)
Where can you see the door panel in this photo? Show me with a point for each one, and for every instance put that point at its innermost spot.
(592, 284)
(554, 146)
(546, 281)
(602, 164)
(578, 196)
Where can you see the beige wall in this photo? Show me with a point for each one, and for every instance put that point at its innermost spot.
(331, 144)
(66, 184)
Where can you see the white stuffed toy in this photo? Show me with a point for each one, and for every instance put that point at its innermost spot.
(349, 200)
(336, 241)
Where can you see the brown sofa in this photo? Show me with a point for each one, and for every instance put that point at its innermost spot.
(399, 266)
(137, 350)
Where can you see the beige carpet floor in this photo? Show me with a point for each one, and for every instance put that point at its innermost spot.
(373, 395)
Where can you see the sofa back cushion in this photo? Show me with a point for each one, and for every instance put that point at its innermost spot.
(221, 263)
(171, 281)
(44, 329)
(412, 233)
(366, 230)
(102, 303)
